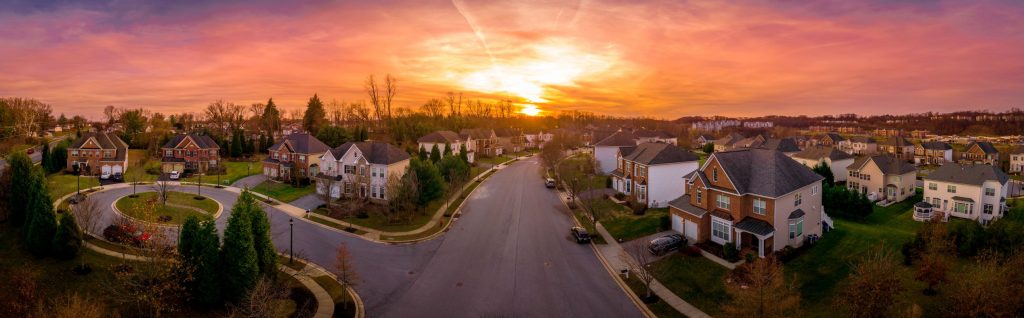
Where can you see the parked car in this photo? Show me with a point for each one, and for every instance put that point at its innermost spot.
(580, 235)
(665, 244)
(550, 183)
(175, 175)
(105, 175)
(117, 176)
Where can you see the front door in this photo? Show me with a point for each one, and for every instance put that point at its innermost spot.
(362, 191)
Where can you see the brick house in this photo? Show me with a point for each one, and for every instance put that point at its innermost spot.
(933, 153)
(299, 151)
(102, 154)
(190, 152)
(758, 199)
(898, 147)
(980, 152)
(486, 141)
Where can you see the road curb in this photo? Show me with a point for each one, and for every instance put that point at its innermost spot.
(611, 271)
(358, 301)
(113, 207)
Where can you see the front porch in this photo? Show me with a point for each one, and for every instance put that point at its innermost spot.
(755, 235)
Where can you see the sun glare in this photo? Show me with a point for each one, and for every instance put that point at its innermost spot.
(530, 110)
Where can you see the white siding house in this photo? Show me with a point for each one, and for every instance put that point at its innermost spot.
(969, 191)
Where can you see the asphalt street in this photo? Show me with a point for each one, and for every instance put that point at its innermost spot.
(508, 255)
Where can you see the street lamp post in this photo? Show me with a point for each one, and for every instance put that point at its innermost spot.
(291, 241)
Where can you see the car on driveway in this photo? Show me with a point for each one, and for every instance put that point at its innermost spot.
(665, 244)
(550, 183)
(117, 176)
(174, 175)
(580, 235)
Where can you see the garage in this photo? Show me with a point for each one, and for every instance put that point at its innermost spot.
(691, 231)
(118, 169)
(677, 223)
(105, 170)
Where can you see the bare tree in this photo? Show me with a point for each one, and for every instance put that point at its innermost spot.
(759, 289)
(375, 98)
(155, 284)
(344, 270)
(260, 301)
(639, 263)
(359, 112)
(324, 186)
(336, 110)
(433, 108)
(295, 114)
(390, 89)
(89, 214)
(162, 187)
(454, 104)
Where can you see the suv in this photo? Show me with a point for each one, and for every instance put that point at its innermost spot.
(668, 243)
(550, 183)
(174, 175)
(580, 235)
(117, 176)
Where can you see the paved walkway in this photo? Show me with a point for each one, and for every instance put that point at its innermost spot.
(325, 304)
(614, 253)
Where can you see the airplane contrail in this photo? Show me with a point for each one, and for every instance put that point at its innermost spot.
(476, 30)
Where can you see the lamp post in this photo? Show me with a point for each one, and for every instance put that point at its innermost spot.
(291, 241)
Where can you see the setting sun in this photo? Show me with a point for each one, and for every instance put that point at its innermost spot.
(530, 110)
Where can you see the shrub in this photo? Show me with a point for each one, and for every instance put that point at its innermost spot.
(730, 253)
(620, 196)
(750, 257)
(665, 222)
(638, 208)
(114, 234)
(608, 182)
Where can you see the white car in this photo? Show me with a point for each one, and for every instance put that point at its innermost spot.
(175, 175)
(105, 175)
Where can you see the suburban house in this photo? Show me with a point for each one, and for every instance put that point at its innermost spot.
(650, 172)
(512, 140)
(702, 140)
(757, 199)
(970, 191)
(100, 154)
(882, 178)
(190, 152)
(447, 138)
(860, 145)
(597, 135)
(1017, 160)
(898, 147)
(933, 153)
(784, 145)
(361, 170)
(536, 139)
(836, 160)
(727, 142)
(832, 140)
(299, 151)
(485, 141)
(982, 152)
(644, 135)
(606, 151)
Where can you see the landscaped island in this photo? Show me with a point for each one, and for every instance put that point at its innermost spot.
(146, 206)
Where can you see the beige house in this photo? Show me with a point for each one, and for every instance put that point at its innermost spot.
(861, 146)
(836, 160)
(882, 178)
(898, 147)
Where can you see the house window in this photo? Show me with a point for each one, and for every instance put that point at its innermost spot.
(933, 186)
(302, 158)
(798, 200)
(74, 152)
(381, 192)
(935, 202)
(760, 206)
(373, 171)
(951, 188)
(720, 230)
(373, 191)
(723, 201)
(642, 193)
(990, 192)
(987, 209)
(350, 169)
(714, 174)
(700, 195)
(169, 153)
(814, 190)
(383, 174)
(796, 229)
(960, 207)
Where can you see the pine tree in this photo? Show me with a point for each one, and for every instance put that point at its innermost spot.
(58, 157)
(42, 223)
(68, 240)
(431, 184)
(240, 269)
(199, 247)
(271, 120)
(45, 155)
(447, 150)
(435, 154)
(315, 115)
(20, 170)
(266, 255)
(463, 153)
(423, 153)
(236, 144)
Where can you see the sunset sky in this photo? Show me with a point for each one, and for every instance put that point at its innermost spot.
(662, 59)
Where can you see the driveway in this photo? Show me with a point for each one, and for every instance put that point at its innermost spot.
(250, 181)
(509, 255)
(308, 202)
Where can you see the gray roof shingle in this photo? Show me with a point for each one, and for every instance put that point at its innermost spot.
(820, 152)
(973, 174)
(302, 143)
(935, 145)
(374, 152)
(755, 226)
(618, 139)
(649, 153)
(441, 136)
(765, 172)
(203, 141)
(985, 146)
(886, 163)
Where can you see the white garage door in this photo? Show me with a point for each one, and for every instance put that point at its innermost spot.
(691, 230)
(677, 223)
(105, 169)
(118, 169)
(336, 191)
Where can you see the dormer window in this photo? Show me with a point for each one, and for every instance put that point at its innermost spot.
(714, 174)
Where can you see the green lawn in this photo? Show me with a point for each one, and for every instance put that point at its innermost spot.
(626, 226)
(238, 170)
(696, 280)
(343, 306)
(136, 208)
(61, 184)
(282, 191)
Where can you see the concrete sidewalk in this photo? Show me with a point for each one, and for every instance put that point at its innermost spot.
(614, 253)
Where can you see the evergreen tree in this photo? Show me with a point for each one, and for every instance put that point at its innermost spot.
(333, 135)
(58, 157)
(236, 144)
(453, 168)
(68, 240)
(19, 166)
(447, 150)
(435, 154)
(315, 115)
(431, 184)
(240, 269)
(824, 170)
(41, 222)
(45, 155)
(199, 247)
(423, 153)
(463, 153)
(271, 120)
(266, 255)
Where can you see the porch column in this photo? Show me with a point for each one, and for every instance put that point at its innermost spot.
(760, 247)
(739, 238)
